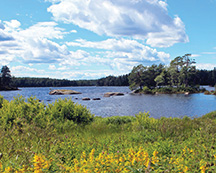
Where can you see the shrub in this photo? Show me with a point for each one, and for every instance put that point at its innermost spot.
(66, 109)
(21, 111)
(18, 111)
(1, 101)
(211, 115)
(146, 90)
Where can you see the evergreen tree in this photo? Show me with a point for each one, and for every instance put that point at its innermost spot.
(5, 76)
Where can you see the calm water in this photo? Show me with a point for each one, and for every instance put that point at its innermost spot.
(174, 105)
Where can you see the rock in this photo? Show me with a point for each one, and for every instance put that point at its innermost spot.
(96, 99)
(108, 94)
(63, 92)
(186, 93)
(86, 98)
(135, 92)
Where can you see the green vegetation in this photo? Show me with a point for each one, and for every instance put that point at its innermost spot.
(65, 137)
(181, 76)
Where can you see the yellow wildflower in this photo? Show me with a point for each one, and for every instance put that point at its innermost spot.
(8, 170)
(185, 169)
(203, 169)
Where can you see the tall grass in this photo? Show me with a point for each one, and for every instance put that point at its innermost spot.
(66, 137)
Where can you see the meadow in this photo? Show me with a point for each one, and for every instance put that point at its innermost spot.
(65, 137)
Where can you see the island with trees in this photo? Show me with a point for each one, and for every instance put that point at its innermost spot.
(180, 76)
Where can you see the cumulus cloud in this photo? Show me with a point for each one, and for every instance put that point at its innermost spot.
(36, 44)
(32, 45)
(140, 19)
(10, 25)
(4, 36)
(131, 51)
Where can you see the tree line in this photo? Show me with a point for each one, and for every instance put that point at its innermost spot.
(180, 72)
(48, 82)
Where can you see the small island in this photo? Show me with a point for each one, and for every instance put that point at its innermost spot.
(180, 77)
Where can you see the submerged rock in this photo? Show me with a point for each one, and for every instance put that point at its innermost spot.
(63, 92)
(96, 99)
(108, 94)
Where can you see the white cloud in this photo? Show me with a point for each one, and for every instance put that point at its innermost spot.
(20, 70)
(141, 19)
(13, 24)
(52, 67)
(32, 45)
(130, 50)
(195, 55)
(36, 45)
(89, 74)
(209, 53)
(73, 31)
(44, 30)
(207, 66)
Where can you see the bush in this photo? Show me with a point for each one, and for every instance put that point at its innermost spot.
(56, 114)
(66, 109)
(146, 90)
(20, 111)
(211, 115)
(1, 101)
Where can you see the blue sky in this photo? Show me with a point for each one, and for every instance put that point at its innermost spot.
(90, 39)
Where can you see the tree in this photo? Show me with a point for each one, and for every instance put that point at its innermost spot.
(181, 70)
(160, 79)
(214, 77)
(5, 76)
(136, 77)
(188, 70)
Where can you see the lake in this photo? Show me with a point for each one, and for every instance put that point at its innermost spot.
(167, 105)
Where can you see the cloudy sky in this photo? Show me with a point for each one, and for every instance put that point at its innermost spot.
(90, 39)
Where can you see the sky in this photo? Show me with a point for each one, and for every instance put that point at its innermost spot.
(91, 39)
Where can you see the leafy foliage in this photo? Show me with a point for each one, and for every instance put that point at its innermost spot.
(59, 114)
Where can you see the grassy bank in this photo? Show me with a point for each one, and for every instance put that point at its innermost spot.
(171, 90)
(65, 137)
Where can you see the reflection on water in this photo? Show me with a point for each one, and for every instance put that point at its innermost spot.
(173, 105)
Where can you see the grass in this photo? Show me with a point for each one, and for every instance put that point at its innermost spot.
(114, 144)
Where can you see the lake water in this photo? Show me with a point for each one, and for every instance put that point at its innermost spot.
(167, 105)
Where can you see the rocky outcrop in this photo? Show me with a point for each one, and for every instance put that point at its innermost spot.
(86, 98)
(108, 94)
(63, 92)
